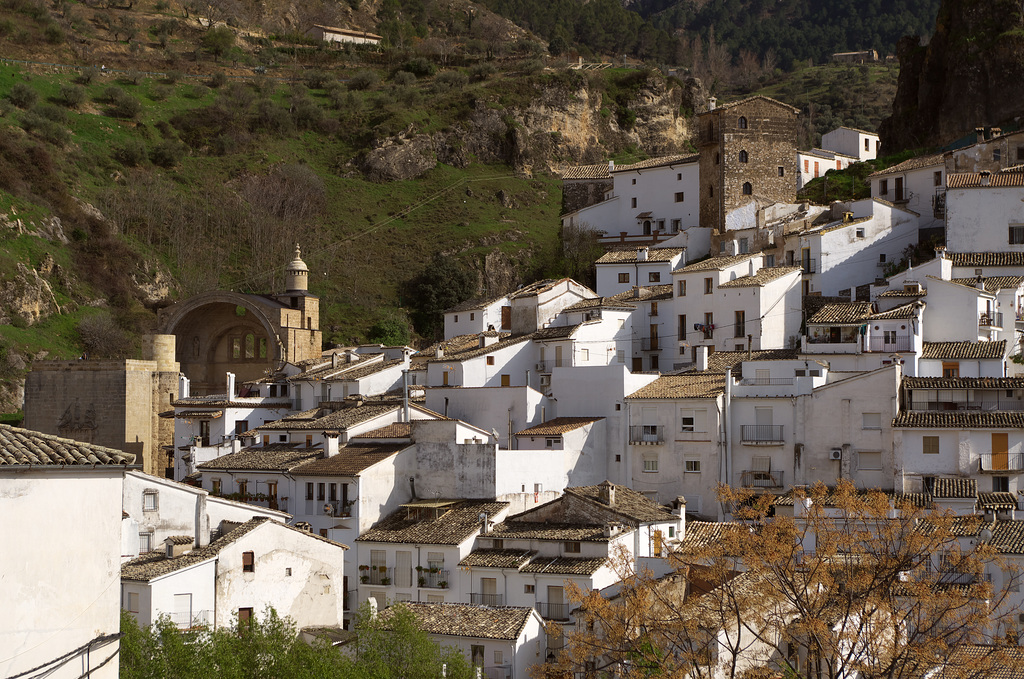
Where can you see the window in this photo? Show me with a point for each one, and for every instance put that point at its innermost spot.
(692, 465)
(681, 330)
(506, 380)
(748, 189)
(709, 285)
(149, 501)
(1020, 153)
(528, 589)
(472, 317)
(711, 191)
(937, 178)
(681, 288)
(860, 232)
(456, 318)
(499, 544)
(620, 356)
(321, 491)
(742, 123)
(632, 202)
(950, 369)
(654, 277)
(215, 486)
(145, 542)
(807, 165)
(236, 347)
(1016, 234)
(634, 181)
(677, 224)
(881, 258)
(309, 440)
(1000, 484)
(709, 325)
(623, 277)
(244, 616)
(248, 562)
(650, 464)
(869, 461)
(243, 488)
(572, 547)
(883, 187)
(741, 324)
(744, 158)
(930, 445)
(282, 438)
(654, 309)
(133, 602)
(679, 196)
(782, 171)
(769, 261)
(490, 360)
(332, 495)
(679, 176)
(872, 420)
(717, 158)
(997, 155)
(744, 246)
(585, 354)
(867, 144)
(661, 225)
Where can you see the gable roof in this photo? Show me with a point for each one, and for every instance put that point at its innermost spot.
(496, 558)
(964, 350)
(747, 100)
(350, 460)
(1008, 177)
(535, 530)
(911, 382)
(475, 304)
(720, 360)
(992, 283)
(687, 385)
(715, 263)
(842, 313)
(960, 419)
(599, 171)
(275, 457)
(911, 164)
(558, 426)
(395, 430)
(902, 312)
(565, 565)
(452, 524)
(342, 418)
(954, 487)
(629, 256)
(678, 159)
(980, 259)
(763, 276)
(628, 503)
(465, 620)
(26, 447)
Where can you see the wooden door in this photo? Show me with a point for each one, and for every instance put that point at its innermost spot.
(1000, 451)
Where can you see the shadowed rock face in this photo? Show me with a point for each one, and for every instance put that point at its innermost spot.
(969, 75)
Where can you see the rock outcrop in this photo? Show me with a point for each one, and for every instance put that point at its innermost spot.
(26, 296)
(967, 76)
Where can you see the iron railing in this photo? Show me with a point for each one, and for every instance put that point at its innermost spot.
(766, 381)
(191, 619)
(993, 320)
(553, 611)
(809, 265)
(376, 575)
(761, 433)
(435, 580)
(646, 433)
(1002, 463)
(760, 479)
(486, 599)
(892, 345)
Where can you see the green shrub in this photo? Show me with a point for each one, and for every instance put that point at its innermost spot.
(218, 80)
(51, 112)
(404, 78)
(87, 75)
(131, 153)
(22, 95)
(419, 67)
(316, 80)
(482, 71)
(160, 92)
(197, 91)
(53, 34)
(6, 27)
(167, 153)
(450, 80)
(363, 80)
(125, 106)
(71, 96)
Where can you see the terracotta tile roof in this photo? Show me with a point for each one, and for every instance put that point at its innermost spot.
(996, 501)
(475, 304)
(963, 382)
(25, 447)
(763, 276)
(981, 259)
(959, 419)
(835, 226)
(350, 460)
(1008, 537)
(992, 283)
(716, 263)
(276, 457)
(537, 287)
(629, 504)
(687, 385)
(599, 171)
(645, 215)
(657, 162)
(904, 293)
(465, 620)
(953, 487)
(555, 332)
(647, 293)
(198, 414)
(475, 350)
(1011, 177)
(911, 164)
(613, 302)
(154, 564)
(367, 370)
(629, 256)
(852, 313)
(565, 565)
(222, 401)
(342, 418)
(532, 530)
(180, 539)
(964, 350)
(496, 558)
(704, 533)
(720, 360)
(452, 525)
(756, 97)
(454, 345)
(975, 661)
(558, 426)
(396, 430)
(902, 312)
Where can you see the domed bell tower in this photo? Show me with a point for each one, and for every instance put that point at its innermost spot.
(301, 317)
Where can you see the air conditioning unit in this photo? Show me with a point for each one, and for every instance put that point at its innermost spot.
(545, 380)
(539, 367)
(835, 454)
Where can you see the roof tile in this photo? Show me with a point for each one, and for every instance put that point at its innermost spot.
(964, 350)
(25, 447)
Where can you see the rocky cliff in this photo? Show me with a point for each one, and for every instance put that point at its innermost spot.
(968, 75)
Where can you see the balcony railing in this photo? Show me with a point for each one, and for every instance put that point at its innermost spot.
(486, 599)
(1002, 463)
(646, 433)
(890, 345)
(436, 580)
(759, 479)
(650, 344)
(989, 406)
(939, 205)
(192, 619)
(825, 339)
(761, 433)
(766, 381)
(351, 599)
(376, 575)
(994, 320)
(553, 611)
(809, 265)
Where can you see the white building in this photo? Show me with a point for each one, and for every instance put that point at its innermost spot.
(621, 270)
(963, 359)
(914, 184)
(816, 162)
(333, 34)
(984, 212)
(250, 567)
(478, 315)
(60, 505)
(850, 141)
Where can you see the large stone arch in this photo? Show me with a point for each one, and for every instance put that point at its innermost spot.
(208, 327)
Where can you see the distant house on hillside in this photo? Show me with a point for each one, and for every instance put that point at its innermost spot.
(861, 57)
(334, 34)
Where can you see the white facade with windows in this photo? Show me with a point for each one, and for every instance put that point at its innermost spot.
(476, 316)
(914, 184)
(620, 271)
(816, 162)
(860, 144)
(984, 212)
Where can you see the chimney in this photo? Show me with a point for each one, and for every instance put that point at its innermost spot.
(996, 131)
(439, 352)
(636, 292)
(483, 523)
(702, 358)
(606, 493)
(847, 217)
(412, 486)
(712, 103)
(231, 386)
(681, 531)
(979, 283)
(334, 359)
(979, 134)
(641, 254)
(985, 176)
(611, 166)
(330, 443)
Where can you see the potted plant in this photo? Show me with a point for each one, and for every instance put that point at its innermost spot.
(443, 584)
(419, 569)
(364, 579)
(422, 581)
(364, 567)
(433, 569)
(385, 580)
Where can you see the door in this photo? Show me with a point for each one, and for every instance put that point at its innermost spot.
(204, 432)
(899, 189)
(1000, 452)
(558, 356)
(489, 590)
(403, 569)
(654, 336)
(183, 610)
(506, 318)
(557, 609)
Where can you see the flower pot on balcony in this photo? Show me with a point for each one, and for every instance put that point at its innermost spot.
(423, 582)
(443, 584)
(385, 581)
(364, 579)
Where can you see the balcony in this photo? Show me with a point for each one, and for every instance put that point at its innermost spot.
(1000, 464)
(327, 508)
(763, 434)
(809, 265)
(890, 345)
(995, 404)
(375, 575)
(650, 344)
(988, 321)
(939, 205)
(646, 434)
(767, 381)
(760, 479)
(191, 619)
(550, 611)
(486, 599)
(433, 578)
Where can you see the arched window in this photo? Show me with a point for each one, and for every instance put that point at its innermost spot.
(250, 346)
(747, 189)
(744, 157)
(742, 123)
